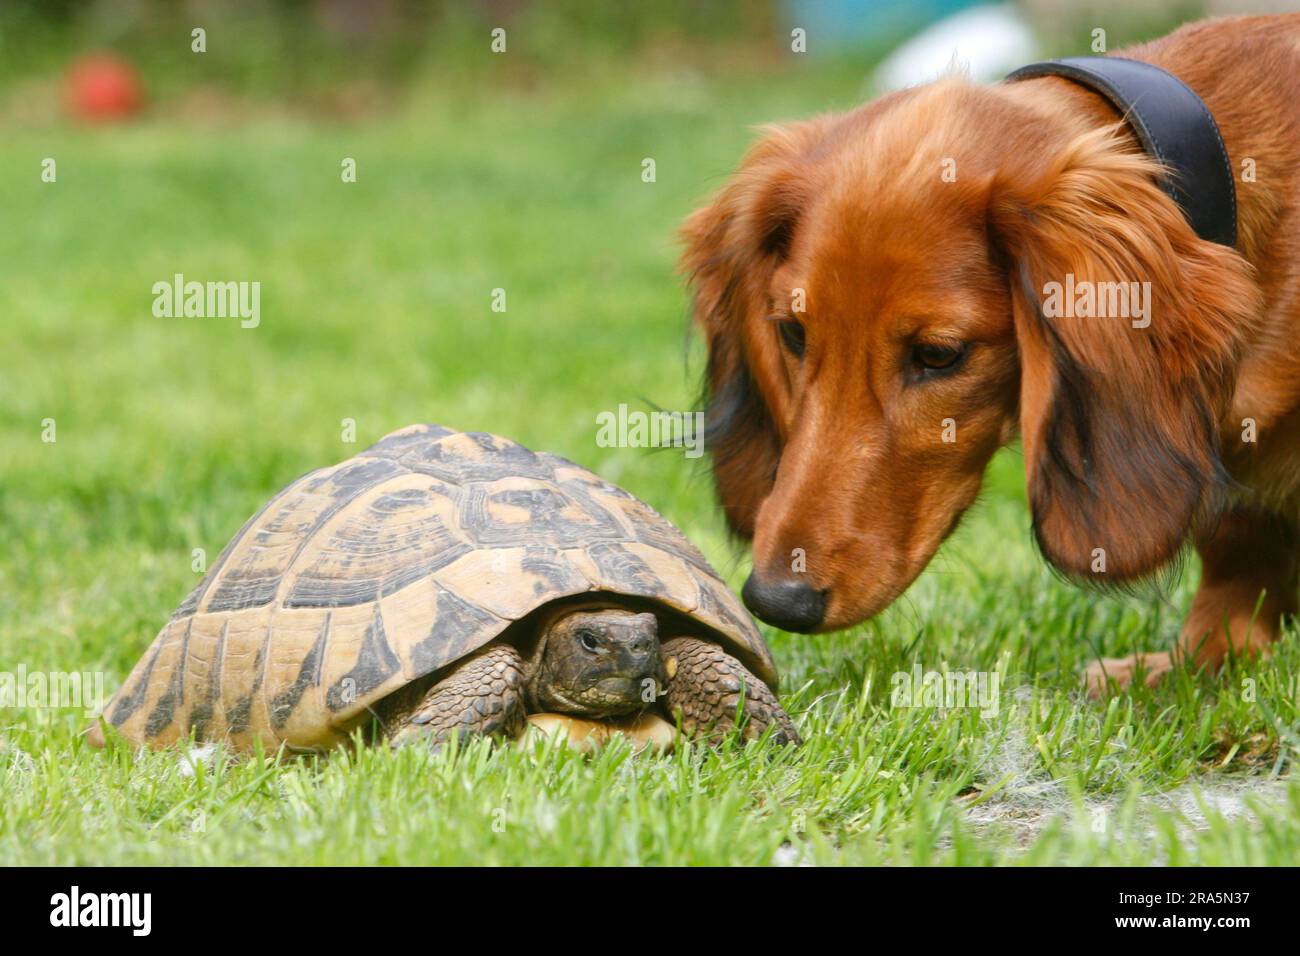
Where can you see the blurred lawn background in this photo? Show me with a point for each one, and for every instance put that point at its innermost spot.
(520, 171)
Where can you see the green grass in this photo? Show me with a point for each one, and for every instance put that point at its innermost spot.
(375, 307)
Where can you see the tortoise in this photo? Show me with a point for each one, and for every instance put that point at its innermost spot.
(447, 583)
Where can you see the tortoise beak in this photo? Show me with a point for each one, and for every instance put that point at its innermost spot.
(638, 660)
(638, 648)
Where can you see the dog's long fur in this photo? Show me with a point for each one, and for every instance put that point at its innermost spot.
(1133, 437)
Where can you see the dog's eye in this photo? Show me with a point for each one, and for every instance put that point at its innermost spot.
(792, 336)
(937, 358)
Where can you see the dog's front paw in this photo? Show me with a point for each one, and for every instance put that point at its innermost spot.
(1122, 671)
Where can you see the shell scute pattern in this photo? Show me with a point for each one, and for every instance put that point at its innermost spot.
(400, 532)
(520, 512)
(254, 569)
(375, 664)
(453, 633)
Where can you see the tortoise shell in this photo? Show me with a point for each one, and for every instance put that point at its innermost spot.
(359, 578)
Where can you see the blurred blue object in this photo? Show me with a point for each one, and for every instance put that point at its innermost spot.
(984, 42)
(842, 25)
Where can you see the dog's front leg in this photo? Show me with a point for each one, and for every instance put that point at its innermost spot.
(1248, 582)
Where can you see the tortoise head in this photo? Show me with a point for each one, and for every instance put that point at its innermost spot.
(597, 663)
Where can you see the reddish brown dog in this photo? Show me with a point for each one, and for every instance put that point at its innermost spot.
(871, 287)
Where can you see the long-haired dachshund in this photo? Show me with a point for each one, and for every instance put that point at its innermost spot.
(872, 290)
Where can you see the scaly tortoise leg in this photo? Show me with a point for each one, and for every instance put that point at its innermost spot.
(483, 696)
(705, 687)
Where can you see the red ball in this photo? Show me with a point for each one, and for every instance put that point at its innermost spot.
(102, 88)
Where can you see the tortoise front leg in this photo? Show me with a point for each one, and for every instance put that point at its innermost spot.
(483, 696)
(706, 686)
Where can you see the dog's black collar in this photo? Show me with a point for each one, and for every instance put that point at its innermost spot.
(1174, 126)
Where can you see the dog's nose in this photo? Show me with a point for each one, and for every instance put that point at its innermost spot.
(786, 603)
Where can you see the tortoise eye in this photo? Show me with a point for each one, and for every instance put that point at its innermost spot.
(589, 641)
(934, 357)
(792, 336)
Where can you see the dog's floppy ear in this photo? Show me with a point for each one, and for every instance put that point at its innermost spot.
(1119, 414)
(733, 245)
